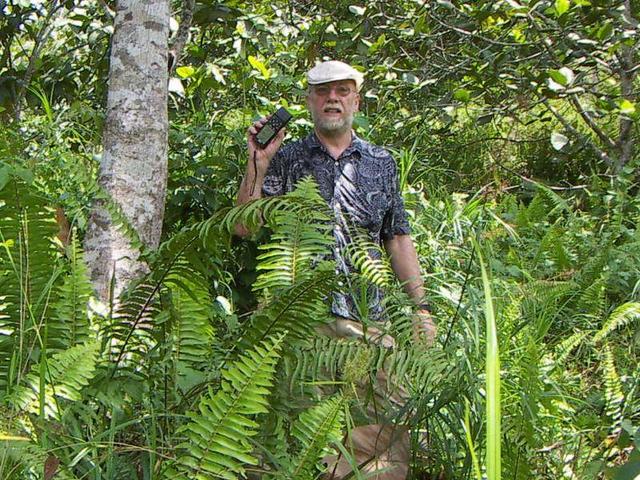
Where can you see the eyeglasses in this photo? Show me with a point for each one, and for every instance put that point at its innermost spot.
(325, 90)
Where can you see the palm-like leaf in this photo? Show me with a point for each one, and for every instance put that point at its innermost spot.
(297, 310)
(65, 374)
(315, 430)
(217, 443)
(27, 271)
(621, 316)
(69, 324)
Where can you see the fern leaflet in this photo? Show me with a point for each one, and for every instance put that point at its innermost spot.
(217, 437)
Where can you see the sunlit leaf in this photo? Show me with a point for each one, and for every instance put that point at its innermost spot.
(355, 9)
(186, 71)
(175, 86)
(564, 76)
(627, 107)
(562, 6)
(258, 65)
(462, 95)
(553, 85)
(558, 140)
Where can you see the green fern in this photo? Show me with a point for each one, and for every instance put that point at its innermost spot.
(27, 271)
(613, 395)
(305, 201)
(316, 429)
(592, 299)
(217, 444)
(297, 310)
(128, 333)
(362, 253)
(64, 376)
(564, 349)
(621, 316)
(69, 324)
(295, 245)
(192, 325)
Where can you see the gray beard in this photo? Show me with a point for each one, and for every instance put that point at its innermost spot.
(332, 127)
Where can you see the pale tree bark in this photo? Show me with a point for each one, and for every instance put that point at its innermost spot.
(133, 169)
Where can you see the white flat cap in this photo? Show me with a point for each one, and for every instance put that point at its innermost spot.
(334, 70)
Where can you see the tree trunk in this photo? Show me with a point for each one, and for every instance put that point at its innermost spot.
(133, 169)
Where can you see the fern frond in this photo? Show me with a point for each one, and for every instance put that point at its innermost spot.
(369, 259)
(564, 348)
(66, 374)
(128, 334)
(304, 201)
(621, 316)
(316, 429)
(69, 324)
(27, 270)
(297, 242)
(297, 310)
(192, 325)
(555, 203)
(592, 298)
(217, 442)
(613, 390)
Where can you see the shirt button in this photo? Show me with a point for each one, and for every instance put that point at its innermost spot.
(336, 163)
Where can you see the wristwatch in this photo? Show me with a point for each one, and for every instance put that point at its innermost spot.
(424, 306)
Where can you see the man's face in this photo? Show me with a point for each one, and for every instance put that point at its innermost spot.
(332, 106)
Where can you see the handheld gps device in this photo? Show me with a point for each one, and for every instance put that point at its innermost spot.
(270, 129)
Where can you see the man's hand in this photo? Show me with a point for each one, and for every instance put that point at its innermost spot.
(424, 328)
(251, 185)
(263, 155)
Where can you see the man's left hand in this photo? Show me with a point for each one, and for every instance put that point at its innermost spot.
(424, 328)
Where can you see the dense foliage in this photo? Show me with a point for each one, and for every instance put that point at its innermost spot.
(513, 124)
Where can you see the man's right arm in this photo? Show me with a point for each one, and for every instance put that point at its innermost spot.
(259, 159)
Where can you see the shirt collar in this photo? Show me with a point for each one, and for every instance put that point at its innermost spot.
(357, 144)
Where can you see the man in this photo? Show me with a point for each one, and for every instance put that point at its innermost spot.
(359, 181)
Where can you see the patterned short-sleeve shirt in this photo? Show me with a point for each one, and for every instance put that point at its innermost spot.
(361, 187)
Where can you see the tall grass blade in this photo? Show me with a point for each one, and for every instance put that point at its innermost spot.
(492, 380)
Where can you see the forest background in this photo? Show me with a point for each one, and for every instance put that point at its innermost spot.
(514, 126)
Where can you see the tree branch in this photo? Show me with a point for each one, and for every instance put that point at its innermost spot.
(570, 128)
(604, 138)
(627, 73)
(182, 35)
(39, 42)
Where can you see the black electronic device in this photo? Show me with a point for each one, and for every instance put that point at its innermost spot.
(276, 122)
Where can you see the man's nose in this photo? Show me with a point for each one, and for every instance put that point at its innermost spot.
(333, 94)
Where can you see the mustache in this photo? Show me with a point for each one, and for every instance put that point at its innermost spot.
(332, 106)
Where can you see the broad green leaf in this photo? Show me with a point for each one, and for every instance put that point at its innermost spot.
(562, 6)
(553, 85)
(627, 107)
(563, 76)
(605, 31)
(186, 71)
(258, 65)
(462, 95)
(558, 140)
